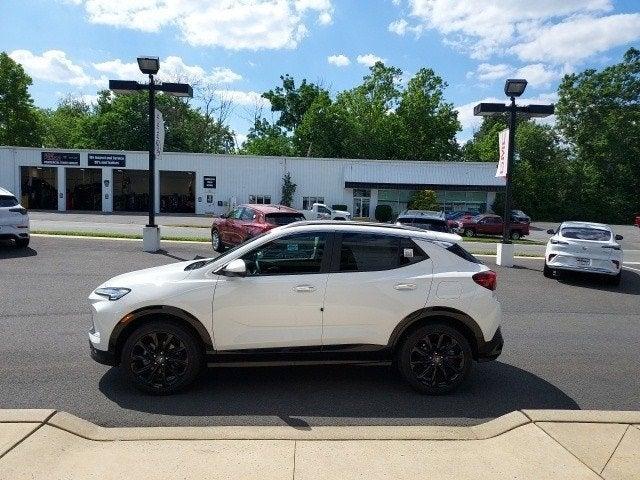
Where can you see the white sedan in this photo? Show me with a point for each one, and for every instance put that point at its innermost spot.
(584, 247)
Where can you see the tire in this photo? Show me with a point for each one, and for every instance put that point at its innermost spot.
(615, 280)
(468, 232)
(450, 363)
(515, 236)
(216, 241)
(546, 271)
(22, 243)
(161, 358)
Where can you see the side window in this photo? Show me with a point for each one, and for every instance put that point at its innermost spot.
(322, 209)
(247, 214)
(291, 255)
(368, 252)
(410, 252)
(236, 214)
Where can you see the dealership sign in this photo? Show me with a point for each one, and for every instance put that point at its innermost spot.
(107, 160)
(503, 147)
(60, 158)
(209, 182)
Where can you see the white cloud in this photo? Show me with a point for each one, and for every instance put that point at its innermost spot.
(578, 38)
(172, 68)
(245, 98)
(489, 27)
(369, 59)
(248, 24)
(537, 74)
(339, 60)
(399, 27)
(52, 66)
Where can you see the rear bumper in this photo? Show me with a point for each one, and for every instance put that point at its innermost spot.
(492, 349)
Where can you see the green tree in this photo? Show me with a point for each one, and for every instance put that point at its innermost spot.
(424, 200)
(67, 125)
(267, 139)
(598, 115)
(288, 190)
(19, 120)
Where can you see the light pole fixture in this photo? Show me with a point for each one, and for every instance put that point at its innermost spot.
(150, 66)
(512, 88)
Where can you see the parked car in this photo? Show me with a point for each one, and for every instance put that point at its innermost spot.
(319, 211)
(637, 220)
(454, 217)
(305, 293)
(520, 216)
(424, 219)
(489, 224)
(14, 220)
(247, 221)
(584, 247)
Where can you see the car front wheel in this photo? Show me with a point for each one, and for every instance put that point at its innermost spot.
(435, 359)
(469, 232)
(161, 358)
(216, 241)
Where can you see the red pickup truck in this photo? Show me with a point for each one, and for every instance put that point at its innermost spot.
(488, 224)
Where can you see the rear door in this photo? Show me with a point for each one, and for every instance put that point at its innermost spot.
(376, 280)
(231, 235)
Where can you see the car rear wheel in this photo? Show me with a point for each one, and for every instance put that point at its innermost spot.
(515, 235)
(22, 243)
(468, 232)
(435, 359)
(216, 241)
(161, 358)
(615, 280)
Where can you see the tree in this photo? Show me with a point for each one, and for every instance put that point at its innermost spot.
(424, 200)
(267, 139)
(383, 213)
(598, 115)
(19, 120)
(288, 190)
(67, 125)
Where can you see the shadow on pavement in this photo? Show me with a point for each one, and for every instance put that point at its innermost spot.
(167, 254)
(338, 393)
(8, 250)
(629, 284)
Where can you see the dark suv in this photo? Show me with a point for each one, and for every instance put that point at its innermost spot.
(247, 221)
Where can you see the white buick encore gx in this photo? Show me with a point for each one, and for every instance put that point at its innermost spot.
(305, 293)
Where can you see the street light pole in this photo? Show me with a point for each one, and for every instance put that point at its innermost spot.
(506, 230)
(152, 153)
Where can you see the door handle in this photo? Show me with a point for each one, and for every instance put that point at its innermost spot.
(304, 288)
(405, 286)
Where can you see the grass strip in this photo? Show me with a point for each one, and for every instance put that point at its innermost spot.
(126, 236)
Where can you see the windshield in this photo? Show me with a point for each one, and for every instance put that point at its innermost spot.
(586, 233)
(200, 263)
(8, 201)
(283, 218)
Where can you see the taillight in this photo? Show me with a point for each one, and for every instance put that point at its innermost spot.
(616, 263)
(551, 255)
(487, 279)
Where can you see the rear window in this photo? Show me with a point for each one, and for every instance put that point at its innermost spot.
(459, 251)
(582, 233)
(364, 252)
(431, 224)
(283, 218)
(8, 201)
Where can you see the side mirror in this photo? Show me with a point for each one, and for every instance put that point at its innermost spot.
(619, 237)
(235, 268)
(551, 231)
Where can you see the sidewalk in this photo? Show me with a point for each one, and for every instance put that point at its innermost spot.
(528, 444)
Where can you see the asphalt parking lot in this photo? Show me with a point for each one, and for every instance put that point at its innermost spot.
(570, 344)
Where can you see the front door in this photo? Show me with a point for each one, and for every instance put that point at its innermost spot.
(380, 280)
(279, 303)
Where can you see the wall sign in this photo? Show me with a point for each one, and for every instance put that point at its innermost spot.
(60, 158)
(107, 160)
(209, 182)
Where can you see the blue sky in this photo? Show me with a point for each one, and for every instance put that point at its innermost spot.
(238, 48)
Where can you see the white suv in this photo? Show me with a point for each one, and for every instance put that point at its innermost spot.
(307, 292)
(14, 220)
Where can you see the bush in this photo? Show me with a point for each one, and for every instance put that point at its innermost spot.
(383, 213)
(424, 200)
(340, 207)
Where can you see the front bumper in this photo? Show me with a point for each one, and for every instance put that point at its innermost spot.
(101, 356)
(492, 349)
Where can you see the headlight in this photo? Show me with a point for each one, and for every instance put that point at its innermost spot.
(112, 293)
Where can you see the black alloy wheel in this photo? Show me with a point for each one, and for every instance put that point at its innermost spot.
(435, 359)
(216, 241)
(161, 357)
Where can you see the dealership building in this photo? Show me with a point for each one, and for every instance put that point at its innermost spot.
(196, 183)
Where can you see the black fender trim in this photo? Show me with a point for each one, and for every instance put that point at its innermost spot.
(135, 316)
(451, 314)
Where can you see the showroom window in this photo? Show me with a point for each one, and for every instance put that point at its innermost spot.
(307, 202)
(372, 252)
(297, 254)
(260, 199)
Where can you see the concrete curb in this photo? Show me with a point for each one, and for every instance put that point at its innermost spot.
(493, 428)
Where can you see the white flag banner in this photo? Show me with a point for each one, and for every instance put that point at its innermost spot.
(159, 134)
(503, 147)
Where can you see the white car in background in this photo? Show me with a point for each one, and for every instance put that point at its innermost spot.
(14, 220)
(584, 247)
(304, 293)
